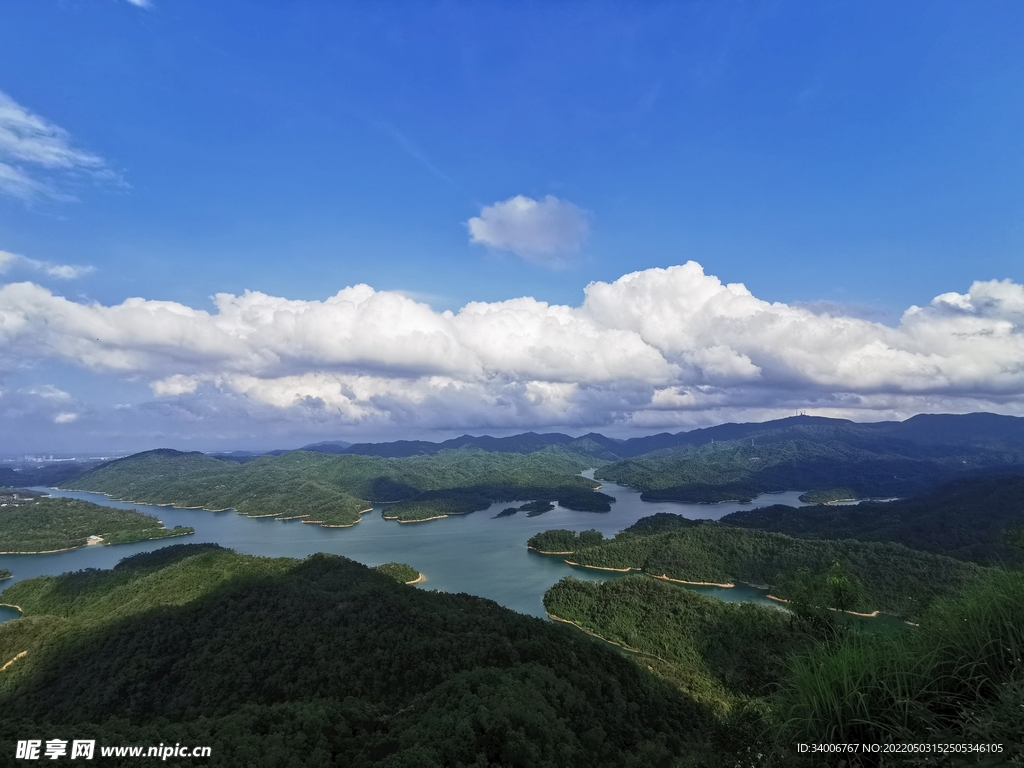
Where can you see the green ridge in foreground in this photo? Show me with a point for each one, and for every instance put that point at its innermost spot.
(49, 525)
(716, 651)
(787, 678)
(323, 662)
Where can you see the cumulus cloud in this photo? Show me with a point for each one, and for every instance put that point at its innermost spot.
(34, 153)
(10, 261)
(653, 349)
(543, 231)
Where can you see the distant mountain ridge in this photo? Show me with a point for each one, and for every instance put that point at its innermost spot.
(333, 484)
(977, 429)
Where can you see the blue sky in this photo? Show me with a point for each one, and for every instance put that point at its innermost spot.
(846, 160)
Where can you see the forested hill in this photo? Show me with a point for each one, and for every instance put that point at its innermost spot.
(882, 576)
(334, 489)
(978, 430)
(322, 662)
(817, 456)
(528, 442)
(740, 461)
(977, 518)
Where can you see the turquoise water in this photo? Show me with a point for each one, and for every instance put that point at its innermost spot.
(474, 553)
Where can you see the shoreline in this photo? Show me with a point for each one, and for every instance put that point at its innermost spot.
(100, 544)
(698, 503)
(421, 520)
(663, 577)
(872, 615)
(543, 552)
(328, 525)
(203, 509)
(601, 567)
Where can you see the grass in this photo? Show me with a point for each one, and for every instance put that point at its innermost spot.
(958, 677)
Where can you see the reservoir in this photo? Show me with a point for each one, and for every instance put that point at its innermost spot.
(476, 553)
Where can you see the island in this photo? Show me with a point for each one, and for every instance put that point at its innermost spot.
(5, 574)
(45, 525)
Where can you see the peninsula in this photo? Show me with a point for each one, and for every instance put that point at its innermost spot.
(45, 525)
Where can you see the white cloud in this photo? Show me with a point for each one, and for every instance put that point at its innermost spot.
(175, 385)
(653, 349)
(65, 417)
(63, 271)
(17, 184)
(35, 153)
(141, 3)
(538, 230)
(47, 392)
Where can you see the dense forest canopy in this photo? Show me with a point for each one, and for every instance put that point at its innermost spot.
(335, 489)
(47, 525)
(890, 577)
(716, 651)
(401, 572)
(324, 662)
(785, 678)
(822, 460)
(970, 519)
(332, 483)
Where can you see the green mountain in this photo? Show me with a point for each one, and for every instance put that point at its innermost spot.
(335, 489)
(809, 457)
(322, 662)
(332, 483)
(740, 461)
(975, 518)
(979, 430)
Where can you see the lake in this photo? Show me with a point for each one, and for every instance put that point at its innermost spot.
(473, 553)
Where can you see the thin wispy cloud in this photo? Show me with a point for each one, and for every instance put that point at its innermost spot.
(413, 151)
(37, 158)
(11, 261)
(543, 231)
